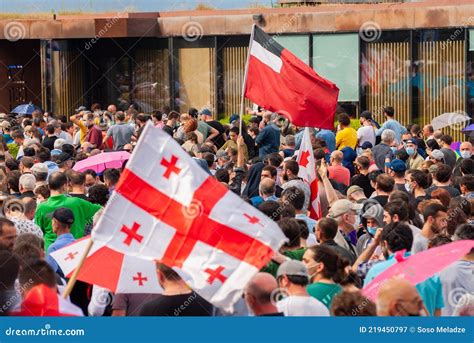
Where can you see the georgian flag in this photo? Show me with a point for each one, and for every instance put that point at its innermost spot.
(107, 268)
(307, 172)
(167, 208)
(280, 82)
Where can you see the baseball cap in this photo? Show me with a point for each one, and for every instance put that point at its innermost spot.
(206, 112)
(81, 108)
(353, 189)
(342, 206)
(39, 168)
(397, 165)
(61, 158)
(412, 141)
(64, 215)
(292, 267)
(58, 143)
(366, 145)
(68, 149)
(437, 155)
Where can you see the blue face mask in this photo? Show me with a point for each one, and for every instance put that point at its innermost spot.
(410, 150)
(371, 230)
(394, 149)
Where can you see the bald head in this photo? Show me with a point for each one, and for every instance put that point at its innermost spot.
(258, 293)
(397, 297)
(337, 157)
(112, 109)
(266, 187)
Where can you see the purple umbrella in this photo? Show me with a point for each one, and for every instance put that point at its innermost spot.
(468, 128)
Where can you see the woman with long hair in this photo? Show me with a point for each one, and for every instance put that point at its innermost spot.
(326, 270)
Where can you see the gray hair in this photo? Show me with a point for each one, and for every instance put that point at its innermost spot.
(388, 136)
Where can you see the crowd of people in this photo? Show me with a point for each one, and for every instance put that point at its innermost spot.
(386, 192)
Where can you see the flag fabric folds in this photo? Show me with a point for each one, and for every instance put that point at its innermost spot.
(280, 82)
(167, 208)
(307, 172)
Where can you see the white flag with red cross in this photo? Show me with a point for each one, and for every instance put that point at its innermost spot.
(108, 268)
(166, 207)
(307, 172)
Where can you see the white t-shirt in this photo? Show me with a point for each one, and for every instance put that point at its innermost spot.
(420, 243)
(366, 134)
(297, 305)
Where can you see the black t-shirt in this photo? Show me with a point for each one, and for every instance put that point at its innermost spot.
(381, 199)
(168, 129)
(190, 304)
(48, 142)
(363, 182)
(219, 140)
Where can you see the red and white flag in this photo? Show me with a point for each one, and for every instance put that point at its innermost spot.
(280, 82)
(307, 172)
(166, 207)
(107, 268)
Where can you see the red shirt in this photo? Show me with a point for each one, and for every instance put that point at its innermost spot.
(340, 174)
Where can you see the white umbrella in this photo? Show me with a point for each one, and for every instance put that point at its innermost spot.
(448, 119)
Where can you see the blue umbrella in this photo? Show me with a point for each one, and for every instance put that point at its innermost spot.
(25, 109)
(468, 128)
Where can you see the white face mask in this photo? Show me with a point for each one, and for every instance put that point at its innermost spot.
(466, 154)
(408, 187)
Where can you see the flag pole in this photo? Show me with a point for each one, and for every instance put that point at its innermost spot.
(73, 279)
(245, 80)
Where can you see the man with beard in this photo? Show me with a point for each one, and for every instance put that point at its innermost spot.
(289, 178)
(435, 217)
(89, 131)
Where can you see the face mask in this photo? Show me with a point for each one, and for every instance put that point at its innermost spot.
(410, 151)
(408, 187)
(394, 149)
(466, 154)
(371, 230)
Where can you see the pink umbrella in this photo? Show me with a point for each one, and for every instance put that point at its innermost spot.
(100, 162)
(419, 267)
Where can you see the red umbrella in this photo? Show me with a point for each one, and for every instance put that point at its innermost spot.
(419, 267)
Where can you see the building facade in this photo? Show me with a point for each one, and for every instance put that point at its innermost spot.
(416, 57)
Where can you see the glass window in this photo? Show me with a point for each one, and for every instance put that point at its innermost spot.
(336, 57)
(297, 44)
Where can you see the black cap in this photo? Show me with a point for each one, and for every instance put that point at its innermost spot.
(61, 158)
(68, 149)
(366, 145)
(64, 215)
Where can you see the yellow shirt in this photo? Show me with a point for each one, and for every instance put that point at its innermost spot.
(83, 128)
(346, 137)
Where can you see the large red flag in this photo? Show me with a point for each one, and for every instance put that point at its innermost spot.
(280, 82)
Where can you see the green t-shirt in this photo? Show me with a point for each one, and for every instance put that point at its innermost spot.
(272, 266)
(324, 292)
(83, 212)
